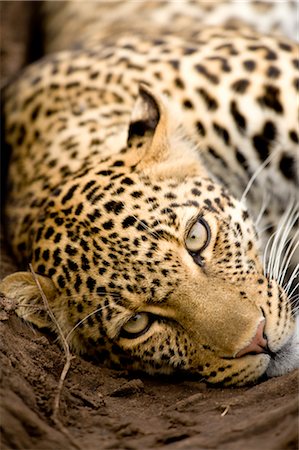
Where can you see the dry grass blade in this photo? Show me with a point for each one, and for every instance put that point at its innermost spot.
(66, 367)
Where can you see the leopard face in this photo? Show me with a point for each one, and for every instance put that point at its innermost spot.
(149, 263)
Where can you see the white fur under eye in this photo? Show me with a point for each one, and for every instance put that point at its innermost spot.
(137, 324)
(198, 237)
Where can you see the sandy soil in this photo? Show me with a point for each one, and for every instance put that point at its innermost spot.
(105, 409)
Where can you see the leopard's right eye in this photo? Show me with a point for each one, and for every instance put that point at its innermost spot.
(136, 326)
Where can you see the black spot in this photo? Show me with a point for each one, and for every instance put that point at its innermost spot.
(240, 86)
(188, 104)
(262, 142)
(158, 42)
(101, 290)
(50, 231)
(72, 84)
(54, 86)
(210, 76)
(129, 221)
(189, 50)
(196, 192)
(270, 55)
(241, 159)
(128, 181)
(79, 307)
(84, 263)
(230, 47)
(175, 63)
(179, 83)
(222, 133)
(67, 211)
(91, 282)
(59, 220)
(270, 99)
(294, 136)
(285, 46)
(78, 283)
(210, 207)
(105, 173)
(137, 194)
(70, 250)
(295, 62)
(57, 238)
(35, 112)
(287, 166)
(56, 257)
(37, 254)
(94, 75)
(41, 269)
(269, 131)
(249, 65)
(215, 155)
(143, 225)
(84, 245)
(88, 185)
(238, 116)
(22, 135)
(56, 192)
(200, 128)
(225, 67)
(51, 272)
(79, 209)
(273, 72)
(72, 265)
(210, 101)
(118, 163)
(46, 255)
(114, 206)
(61, 281)
(108, 225)
(245, 215)
(95, 141)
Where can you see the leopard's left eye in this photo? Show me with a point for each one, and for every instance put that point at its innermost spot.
(198, 237)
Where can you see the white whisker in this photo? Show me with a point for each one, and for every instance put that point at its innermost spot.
(285, 263)
(265, 202)
(84, 319)
(282, 247)
(290, 282)
(255, 175)
(277, 242)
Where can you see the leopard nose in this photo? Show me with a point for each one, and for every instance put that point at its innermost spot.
(258, 343)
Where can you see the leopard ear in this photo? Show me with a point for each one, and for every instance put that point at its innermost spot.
(148, 128)
(157, 139)
(21, 288)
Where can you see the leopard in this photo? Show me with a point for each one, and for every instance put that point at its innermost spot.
(152, 189)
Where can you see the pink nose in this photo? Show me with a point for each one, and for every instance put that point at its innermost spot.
(258, 343)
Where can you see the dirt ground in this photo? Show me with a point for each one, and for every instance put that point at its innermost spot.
(105, 409)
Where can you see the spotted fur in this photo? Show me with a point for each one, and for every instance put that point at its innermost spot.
(119, 147)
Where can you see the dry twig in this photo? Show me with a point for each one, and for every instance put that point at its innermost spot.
(68, 356)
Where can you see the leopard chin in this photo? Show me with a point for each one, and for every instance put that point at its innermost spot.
(287, 358)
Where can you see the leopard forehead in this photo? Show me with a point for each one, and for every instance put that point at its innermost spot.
(117, 219)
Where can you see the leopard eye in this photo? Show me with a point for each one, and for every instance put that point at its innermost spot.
(136, 326)
(198, 237)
